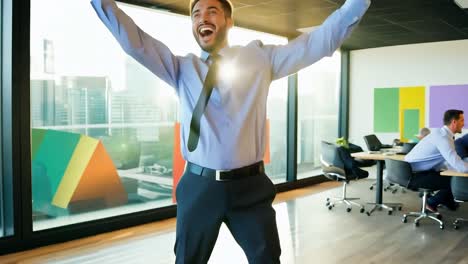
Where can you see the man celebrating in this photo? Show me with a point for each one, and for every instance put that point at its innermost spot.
(223, 120)
(434, 153)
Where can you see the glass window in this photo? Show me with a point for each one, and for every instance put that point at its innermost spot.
(2, 199)
(276, 156)
(6, 177)
(2, 182)
(318, 105)
(105, 129)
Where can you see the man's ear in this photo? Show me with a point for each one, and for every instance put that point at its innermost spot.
(229, 22)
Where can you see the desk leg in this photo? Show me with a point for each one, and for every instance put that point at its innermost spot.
(379, 193)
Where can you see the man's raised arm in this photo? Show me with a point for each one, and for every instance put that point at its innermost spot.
(150, 52)
(323, 41)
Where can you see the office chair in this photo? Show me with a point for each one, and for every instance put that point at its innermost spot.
(333, 168)
(406, 148)
(460, 193)
(400, 172)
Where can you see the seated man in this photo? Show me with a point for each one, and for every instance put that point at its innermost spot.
(434, 153)
(461, 146)
(423, 133)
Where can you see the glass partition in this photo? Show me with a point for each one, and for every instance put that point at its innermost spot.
(318, 107)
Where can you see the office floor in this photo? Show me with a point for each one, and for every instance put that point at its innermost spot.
(309, 233)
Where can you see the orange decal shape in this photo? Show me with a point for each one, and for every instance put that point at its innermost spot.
(266, 157)
(177, 161)
(100, 180)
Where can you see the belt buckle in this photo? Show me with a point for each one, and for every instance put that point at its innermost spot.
(218, 175)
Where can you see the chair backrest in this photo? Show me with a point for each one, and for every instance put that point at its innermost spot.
(372, 142)
(332, 163)
(460, 188)
(399, 172)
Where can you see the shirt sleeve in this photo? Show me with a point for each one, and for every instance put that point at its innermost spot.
(447, 150)
(323, 41)
(150, 52)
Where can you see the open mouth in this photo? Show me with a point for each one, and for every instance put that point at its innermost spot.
(205, 31)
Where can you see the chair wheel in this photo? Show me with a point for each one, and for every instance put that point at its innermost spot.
(404, 220)
(348, 209)
(399, 208)
(394, 191)
(390, 212)
(328, 199)
(455, 226)
(416, 224)
(441, 226)
(439, 216)
(327, 204)
(368, 213)
(362, 210)
(330, 207)
(371, 188)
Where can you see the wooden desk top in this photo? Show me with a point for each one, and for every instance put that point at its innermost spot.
(377, 156)
(453, 173)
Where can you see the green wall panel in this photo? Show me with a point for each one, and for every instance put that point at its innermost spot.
(386, 109)
(411, 123)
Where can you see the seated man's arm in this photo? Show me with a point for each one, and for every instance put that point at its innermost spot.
(450, 155)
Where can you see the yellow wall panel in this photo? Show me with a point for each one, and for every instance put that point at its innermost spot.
(412, 98)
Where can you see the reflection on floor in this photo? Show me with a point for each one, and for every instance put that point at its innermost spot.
(309, 233)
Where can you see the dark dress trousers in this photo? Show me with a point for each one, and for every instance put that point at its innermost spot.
(244, 205)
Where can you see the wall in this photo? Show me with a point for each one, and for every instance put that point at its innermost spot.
(437, 63)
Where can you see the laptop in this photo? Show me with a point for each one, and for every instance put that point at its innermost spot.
(374, 144)
(407, 147)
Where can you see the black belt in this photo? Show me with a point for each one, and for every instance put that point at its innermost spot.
(227, 175)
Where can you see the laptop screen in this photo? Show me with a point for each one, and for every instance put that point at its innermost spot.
(372, 142)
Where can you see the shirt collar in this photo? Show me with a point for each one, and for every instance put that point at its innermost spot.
(449, 132)
(205, 55)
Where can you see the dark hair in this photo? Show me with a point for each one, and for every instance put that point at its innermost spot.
(452, 114)
(226, 4)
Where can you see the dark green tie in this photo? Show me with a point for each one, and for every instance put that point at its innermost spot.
(201, 103)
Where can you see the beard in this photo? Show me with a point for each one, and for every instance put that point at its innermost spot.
(216, 44)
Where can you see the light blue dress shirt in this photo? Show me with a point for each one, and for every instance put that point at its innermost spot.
(436, 151)
(232, 128)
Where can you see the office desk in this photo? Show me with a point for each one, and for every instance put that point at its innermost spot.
(380, 158)
(453, 173)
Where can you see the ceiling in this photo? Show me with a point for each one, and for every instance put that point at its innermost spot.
(386, 23)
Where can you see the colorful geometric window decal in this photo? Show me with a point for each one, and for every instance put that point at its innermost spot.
(445, 97)
(69, 167)
(399, 110)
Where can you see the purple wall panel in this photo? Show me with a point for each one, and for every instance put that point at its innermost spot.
(444, 97)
